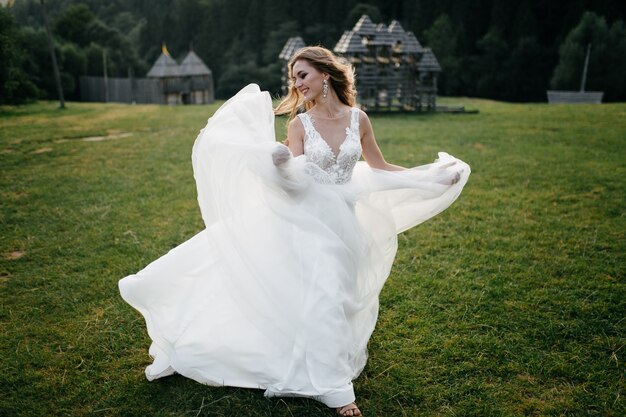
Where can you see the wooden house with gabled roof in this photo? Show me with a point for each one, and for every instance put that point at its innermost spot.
(393, 70)
(197, 80)
(410, 45)
(166, 71)
(350, 41)
(191, 82)
(164, 67)
(428, 62)
(364, 26)
(427, 69)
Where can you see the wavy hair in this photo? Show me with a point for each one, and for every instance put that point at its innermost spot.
(341, 77)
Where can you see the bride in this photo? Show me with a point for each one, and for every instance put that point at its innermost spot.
(280, 290)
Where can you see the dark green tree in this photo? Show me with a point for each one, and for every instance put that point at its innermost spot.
(236, 77)
(526, 71)
(487, 67)
(190, 17)
(53, 55)
(70, 59)
(74, 23)
(442, 37)
(491, 48)
(15, 86)
(277, 38)
(37, 63)
(78, 25)
(73, 64)
(360, 9)
(124, 22)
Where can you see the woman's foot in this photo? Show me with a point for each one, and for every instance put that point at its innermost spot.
(349, 410)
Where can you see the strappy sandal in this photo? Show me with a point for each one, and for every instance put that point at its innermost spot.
(349, 407)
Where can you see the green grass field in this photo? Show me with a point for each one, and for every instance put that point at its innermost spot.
(512, 302)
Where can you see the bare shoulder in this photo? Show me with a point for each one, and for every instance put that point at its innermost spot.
(362, 114)
(295, 136)
(365, 125)
(295, 125)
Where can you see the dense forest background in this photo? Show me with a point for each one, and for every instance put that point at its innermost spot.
(500, 49)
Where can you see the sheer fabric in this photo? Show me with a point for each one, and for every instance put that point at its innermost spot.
(280, 290)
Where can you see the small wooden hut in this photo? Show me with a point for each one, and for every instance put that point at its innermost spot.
(188, 83)
(167, 72)
(197, 80)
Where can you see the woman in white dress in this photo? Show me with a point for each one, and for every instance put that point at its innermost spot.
(280, 290)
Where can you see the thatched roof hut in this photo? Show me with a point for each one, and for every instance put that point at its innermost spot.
(165, 66)
(193, 65)
(191, 82)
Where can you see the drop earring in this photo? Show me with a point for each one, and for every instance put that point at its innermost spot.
(325, 89)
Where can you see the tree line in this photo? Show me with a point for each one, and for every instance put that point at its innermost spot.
(499, 49)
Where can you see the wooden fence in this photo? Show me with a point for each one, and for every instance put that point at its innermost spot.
(121, 90)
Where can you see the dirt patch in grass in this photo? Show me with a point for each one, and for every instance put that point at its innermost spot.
(16, 254)
(42, 150)
(110, 136)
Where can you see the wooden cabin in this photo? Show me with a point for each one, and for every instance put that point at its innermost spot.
(191, 82)
(197, 80)
(166, 71)
(393, 70)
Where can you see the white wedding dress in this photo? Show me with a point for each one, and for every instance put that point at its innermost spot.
(280, 290)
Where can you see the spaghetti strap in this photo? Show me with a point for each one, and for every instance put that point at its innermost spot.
(308, 125)
(354, 119)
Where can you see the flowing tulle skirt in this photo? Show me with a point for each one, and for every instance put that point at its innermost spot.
(280, 290)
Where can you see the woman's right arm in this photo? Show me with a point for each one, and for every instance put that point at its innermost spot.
(371, 152)
(295, 137)
(292, 146)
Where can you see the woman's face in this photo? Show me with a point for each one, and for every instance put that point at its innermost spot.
(308, 80)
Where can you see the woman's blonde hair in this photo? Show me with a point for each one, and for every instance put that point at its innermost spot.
(341, 77)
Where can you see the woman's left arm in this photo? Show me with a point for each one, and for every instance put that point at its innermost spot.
(371, 152)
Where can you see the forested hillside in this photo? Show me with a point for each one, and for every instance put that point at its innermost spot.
(501, 49)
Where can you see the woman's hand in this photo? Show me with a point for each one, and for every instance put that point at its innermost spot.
(449, 178)
(281, 154)
(455, 179)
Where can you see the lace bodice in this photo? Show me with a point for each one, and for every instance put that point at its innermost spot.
(338, 168)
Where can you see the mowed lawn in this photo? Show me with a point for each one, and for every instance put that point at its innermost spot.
(511, 302)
